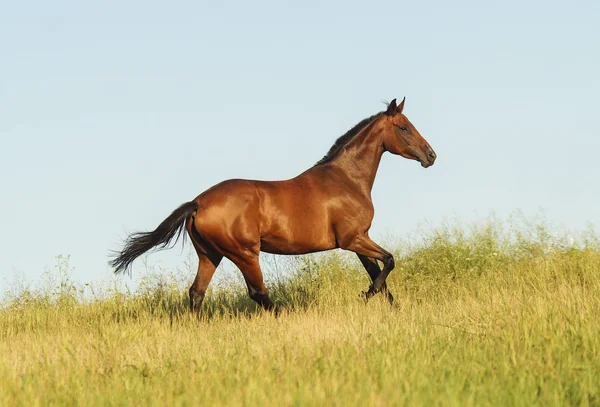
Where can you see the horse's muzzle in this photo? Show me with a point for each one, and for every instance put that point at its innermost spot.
(429, 159)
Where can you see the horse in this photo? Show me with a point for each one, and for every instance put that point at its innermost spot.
(326, 207)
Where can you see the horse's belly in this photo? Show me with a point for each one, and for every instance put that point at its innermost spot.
(298, 240)
(285, 247)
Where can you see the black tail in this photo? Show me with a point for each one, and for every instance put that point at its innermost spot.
(139, 243)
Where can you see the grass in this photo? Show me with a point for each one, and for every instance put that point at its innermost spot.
(483, 316)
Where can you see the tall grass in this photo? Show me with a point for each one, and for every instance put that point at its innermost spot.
(485, 315)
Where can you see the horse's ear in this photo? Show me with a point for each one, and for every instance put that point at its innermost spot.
(401, 106)
(391, 108)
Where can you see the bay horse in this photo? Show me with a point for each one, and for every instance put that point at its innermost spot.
(326, 207)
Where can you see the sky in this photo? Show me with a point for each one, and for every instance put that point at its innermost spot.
(114, 113)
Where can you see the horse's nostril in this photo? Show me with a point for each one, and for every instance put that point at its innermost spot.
(431, 154)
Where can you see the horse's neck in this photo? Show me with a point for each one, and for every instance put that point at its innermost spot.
(360, 158)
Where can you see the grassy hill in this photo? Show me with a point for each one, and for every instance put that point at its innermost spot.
(483, 316)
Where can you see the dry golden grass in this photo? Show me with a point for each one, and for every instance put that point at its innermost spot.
(481, 318)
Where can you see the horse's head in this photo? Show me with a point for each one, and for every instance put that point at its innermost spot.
(401, 137)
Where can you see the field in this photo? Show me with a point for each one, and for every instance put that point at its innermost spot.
(484, 315)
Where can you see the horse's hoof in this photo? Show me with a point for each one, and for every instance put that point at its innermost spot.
(367, 295)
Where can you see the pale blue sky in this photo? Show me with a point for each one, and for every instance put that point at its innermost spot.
(105, 109)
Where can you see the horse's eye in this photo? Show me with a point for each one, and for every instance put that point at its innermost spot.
(403, 128)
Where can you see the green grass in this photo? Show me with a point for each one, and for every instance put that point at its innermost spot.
(486, 316)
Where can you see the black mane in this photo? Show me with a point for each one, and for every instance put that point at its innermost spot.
(345, 139)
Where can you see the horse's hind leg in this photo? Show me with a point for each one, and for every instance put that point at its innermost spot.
(250, 268)
(207, 264)
(373, 269)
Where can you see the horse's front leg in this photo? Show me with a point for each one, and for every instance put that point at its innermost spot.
(370, 264)
(362, 245)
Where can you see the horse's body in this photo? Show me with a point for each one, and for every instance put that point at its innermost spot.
(326, 207)
(266, 214)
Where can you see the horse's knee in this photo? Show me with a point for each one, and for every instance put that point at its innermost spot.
(388, 262)
(379, 283)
